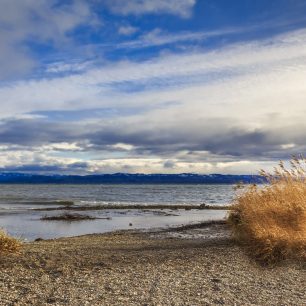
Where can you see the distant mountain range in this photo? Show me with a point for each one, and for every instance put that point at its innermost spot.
(125, 178)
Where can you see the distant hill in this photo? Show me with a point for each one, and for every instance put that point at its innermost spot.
(125, 178)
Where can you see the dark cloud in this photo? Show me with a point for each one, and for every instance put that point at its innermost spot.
(31, 132)
(236, 143)
(32, 168)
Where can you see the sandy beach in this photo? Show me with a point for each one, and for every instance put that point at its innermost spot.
(191, 265)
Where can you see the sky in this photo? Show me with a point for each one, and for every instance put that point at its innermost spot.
(151, 86)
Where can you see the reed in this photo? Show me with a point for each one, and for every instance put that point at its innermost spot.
(8, 244)
(271, 220)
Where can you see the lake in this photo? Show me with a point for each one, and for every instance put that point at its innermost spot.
(23, 206)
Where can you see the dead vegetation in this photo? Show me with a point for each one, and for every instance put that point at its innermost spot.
(271, 220)
(8, 244)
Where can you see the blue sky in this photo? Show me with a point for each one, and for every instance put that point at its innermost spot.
(174, 86)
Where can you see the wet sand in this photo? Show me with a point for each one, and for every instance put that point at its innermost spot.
(191, 265)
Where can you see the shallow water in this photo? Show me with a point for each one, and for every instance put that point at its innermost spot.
(30, 227)
(19, 217)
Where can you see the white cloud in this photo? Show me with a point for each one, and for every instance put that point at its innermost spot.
(127, 30)
(288, 146)
(41, 21)
(62, 146)
(157, 37)
(240, 76)
(123, 146)
(39, 161)
(72, 66)
(182, 8)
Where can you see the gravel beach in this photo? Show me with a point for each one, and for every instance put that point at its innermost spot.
(195, 265)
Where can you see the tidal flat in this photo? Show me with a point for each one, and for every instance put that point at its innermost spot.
(198, 264)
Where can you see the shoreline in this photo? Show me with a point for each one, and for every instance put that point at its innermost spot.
(135, 206)
(196, 264)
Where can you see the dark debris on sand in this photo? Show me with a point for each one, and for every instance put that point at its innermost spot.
(70, 217)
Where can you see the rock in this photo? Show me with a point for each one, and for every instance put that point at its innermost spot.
(216, 280)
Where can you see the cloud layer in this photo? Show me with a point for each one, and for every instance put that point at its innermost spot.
(231, 109)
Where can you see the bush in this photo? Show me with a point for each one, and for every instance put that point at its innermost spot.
(8, 244)
(271, 220)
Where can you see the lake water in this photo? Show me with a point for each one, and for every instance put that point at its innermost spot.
(23, 206)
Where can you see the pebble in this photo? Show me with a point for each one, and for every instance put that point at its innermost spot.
(145, 269)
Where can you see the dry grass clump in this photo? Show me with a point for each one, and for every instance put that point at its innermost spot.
(271, 220)
(8, 244)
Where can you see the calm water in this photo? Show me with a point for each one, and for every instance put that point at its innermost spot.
(19, 217)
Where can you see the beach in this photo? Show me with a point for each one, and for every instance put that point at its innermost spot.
(152, 153)
(190, 265)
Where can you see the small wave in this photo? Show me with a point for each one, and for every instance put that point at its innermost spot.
(39, 202)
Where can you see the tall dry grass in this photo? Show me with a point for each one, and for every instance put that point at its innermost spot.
(271, 220)
(8, 244)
